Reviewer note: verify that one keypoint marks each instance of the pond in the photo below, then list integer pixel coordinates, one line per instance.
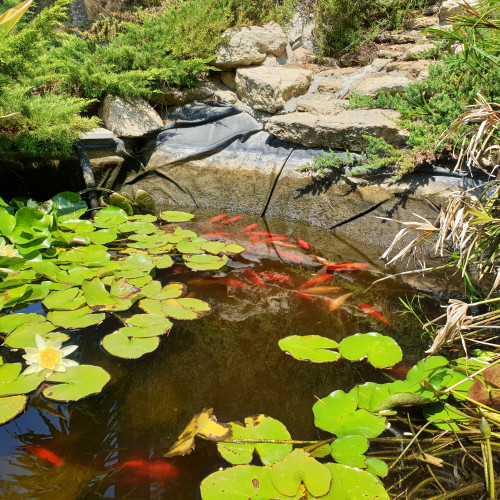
(228, 360)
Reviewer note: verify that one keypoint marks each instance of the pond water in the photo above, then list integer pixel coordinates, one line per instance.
(229, 361)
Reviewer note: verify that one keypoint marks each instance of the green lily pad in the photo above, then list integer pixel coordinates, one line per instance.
(213, 246)
(110, 217)
(310, 348)
(174, 216)
(65, 300)
(68, 206)
(163, 262)
(12, 381)
(381, 351)
(120, 345)
(10, 322)
(139, 227)
(155, 291)
(79, 226)
(299, 467)
(103, 236)
(377, 467)
(117, 200)
(99, 299)
(191, 245)
(258, 427)
(79, 318)
(135, 266)
(426, 368)
(152, 322)
(90, 256)
(205, 262)
(76, 382)
(233, 248)
(445, 416)
(350, 450)
(7, 222)
(354, 484)
(338, 414)
(24, 335)
(17, 279)
(11, 406)
(186, 309)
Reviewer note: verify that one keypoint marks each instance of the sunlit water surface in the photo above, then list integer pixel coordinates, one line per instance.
(229, 361)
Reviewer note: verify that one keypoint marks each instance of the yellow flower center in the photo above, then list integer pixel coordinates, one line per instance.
(49, 357)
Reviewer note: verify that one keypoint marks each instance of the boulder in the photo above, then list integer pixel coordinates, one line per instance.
(320, 104)
(451, 8)
(179, 97)
(338, 72)
(300, 31)
(412, 69)
(343, 130)
(419, 23)
(129, 118)
(393, 37)
(250, 45)
(417, 50)
(227, 78)
(372, 85)
(332, 85)
(267, 89)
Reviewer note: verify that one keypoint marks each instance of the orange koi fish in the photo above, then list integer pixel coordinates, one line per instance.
(316, 280)
(290, 256)
(249, 228)
(45, 454)
(321, 290)
(156, 469)
(274, 238)
(285, 244)
(347, 266)
(256, 278)
(305, 296)
(278, 278)
(217, 218)
(216, 234)
(231, 220)
(236, 283)
(262, 233)
(368, 309)
(323, 261)
(303, 243)
(334, 304)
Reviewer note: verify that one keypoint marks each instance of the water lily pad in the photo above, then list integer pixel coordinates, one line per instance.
(445, 416)
(213, 246)
(147, 325)
(298, 467)
(121, 345)
(109, 217)
(163, 262)
(79, 318)
(338, 414)
(233, 248)
(103, 236)
(354, 484)
(155, 291)
(187, 309)
(99, 299)
(10, 322)
(24, 335)
(350, 450)
(90, 256)
(426, 368)
(68, 206)
(377, 467)
(65, 300)
(205, 262)
(191, 245)
(135, 266)
(11, 406)
(180, 233)
(117, 200)
(12, 381)
(380, 350)
(76, 383)
(257, 427)
(175, 216)
(139, 227)
(79, 226)
(7, 222)
(310, 348)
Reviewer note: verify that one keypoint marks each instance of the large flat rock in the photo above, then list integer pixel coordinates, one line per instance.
(373, 85)
(343, 130)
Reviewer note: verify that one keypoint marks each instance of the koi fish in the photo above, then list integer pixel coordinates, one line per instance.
(279, 278)
(305, 296)
(334, 304)
(216, 234)
(176, 270)
(323, 261)
(262, 233)
(316, 280)
(368, 309)
(256, 278)
(290, 256)
(347, 266)
(217, 218)
(285, 244)
(236, 283)
(205, 283)
(45, 454)
(156, 469)
(321, 290)
(250, 227)
(274, 238)
(255, 239)
(231, 220)
(303, 243)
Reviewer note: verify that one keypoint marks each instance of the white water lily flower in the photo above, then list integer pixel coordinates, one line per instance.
(8, 250)
(49, 356)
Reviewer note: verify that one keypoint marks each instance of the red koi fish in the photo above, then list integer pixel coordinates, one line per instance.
(231, 220)
(255, 239)
(256, 278)
(156, 469)
(236, 283)
(205, 283)
(262, 233)
(368, 309)
(216, 234)
(45, 454)
(290, 256)
(217, 218)
(347, 266)
(323, 261)
(305, 296)
(278, 278)
(176, 270)
(316, 280)
(274, 238)
(303, 243)
(285, 244)
(249, 228)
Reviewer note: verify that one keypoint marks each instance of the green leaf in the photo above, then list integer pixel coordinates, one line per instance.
(299, 467)
(186, 309)
(174, 216)
(205, 262)
(213, 246)
(7, 222)
(79, 226)
(89, 256)
(24, 335)
(65, 300)
(377, 467)
(135, 266)
(310, 348)
(103, 236)
(12, 381)
(138, 227)
(180, 233)
(163, 262)
(381, 351)
(10, 322)
(145, 202)
(76, 383)
(117, 200)
(110, 217)
(233, 248)
(171, 291)
(426, 369)
(149, 324)
(350, 450)
(258, 427)
(445, 416)
(191, 245)
(120, 345)
(99, 299)
(11, 406)
(68, 206)
(79, 318)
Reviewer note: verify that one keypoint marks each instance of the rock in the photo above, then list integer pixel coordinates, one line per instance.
(179, 97)
(332, 85)
(372, 85)
(303, 55)
(300, 31)
(286, 58)
(361, 56)
(451, 8)
(227, 78)
(97, 135)
(338, 72)
(320, 104)
(457, 48)
(413, 69)
(250, 45)
(413, 52)
(431, 10)
(268, 89)
(343, 130)
(419, 23)
(389, 54)
(392, 37)
(130, 118)
(218, 91)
